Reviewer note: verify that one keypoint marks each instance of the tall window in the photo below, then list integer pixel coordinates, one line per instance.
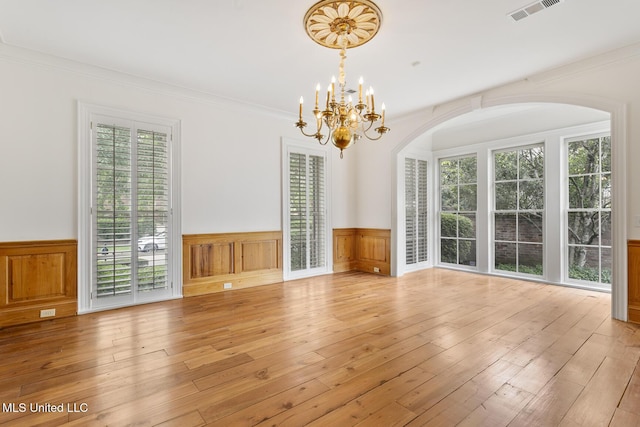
(131, 210)
(519, 207)
(416, 224)
(127, 235)
(306, 209)
(589, 210)
(458, 206)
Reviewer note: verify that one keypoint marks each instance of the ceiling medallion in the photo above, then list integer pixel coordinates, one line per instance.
(327, 20)
(343, 25)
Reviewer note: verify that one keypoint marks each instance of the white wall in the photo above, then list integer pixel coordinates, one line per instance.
(231, 161)
(38, 142)
(611, 80)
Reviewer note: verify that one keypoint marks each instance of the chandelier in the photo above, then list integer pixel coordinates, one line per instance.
(343, 25)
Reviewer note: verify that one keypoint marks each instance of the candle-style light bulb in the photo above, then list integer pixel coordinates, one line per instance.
(368, 101)
(373, 103)
(360, 81)
(301, 101)
(383, 110)
(333, 88)
(317, 94)
(328, 95)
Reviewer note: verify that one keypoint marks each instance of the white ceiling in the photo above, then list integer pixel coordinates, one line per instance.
(256, 51)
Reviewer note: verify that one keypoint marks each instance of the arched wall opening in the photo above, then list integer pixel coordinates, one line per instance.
(421, 141)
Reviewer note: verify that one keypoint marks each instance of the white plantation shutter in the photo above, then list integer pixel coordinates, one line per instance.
(306, 222)
(131, 214)
(298, 211)
(410, 198)
(317, 212)
(152, 208)
(112, 212)
(416, 205)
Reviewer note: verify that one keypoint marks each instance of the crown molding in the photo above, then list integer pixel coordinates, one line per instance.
(586, 65)
(18, 54)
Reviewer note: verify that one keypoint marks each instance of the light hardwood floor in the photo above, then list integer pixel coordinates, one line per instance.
(434, 348)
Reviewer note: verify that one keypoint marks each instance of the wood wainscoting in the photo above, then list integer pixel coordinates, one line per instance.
(35, 276)
(633, 252)
(344, 249)
(362, 249)
(241, 259)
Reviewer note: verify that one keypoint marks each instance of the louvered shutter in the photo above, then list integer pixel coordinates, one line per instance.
(416, 210)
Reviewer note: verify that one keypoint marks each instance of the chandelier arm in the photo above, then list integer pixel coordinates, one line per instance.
(367, 128)
(320, 124)
(381, 131)
(371, 138)
(320, 136)
(302, 125)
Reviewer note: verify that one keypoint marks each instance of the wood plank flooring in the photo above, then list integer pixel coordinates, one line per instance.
(432, 348)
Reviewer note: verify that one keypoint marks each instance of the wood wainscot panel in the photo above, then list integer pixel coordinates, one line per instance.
(633, 253)
(344, 249)
(240, 260)
(36, 276)
(211, 259)
(362, 249)
(260, 255)
(373, 251)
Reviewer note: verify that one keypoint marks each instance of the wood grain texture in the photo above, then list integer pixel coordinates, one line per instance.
(633, 265)
(242, 259)
(344, 249)
(211, 259)
(37, 275)
(362, 249)
(373, 251)
(432, 348)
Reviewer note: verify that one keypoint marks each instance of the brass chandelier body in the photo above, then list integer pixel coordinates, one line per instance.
(342, 25)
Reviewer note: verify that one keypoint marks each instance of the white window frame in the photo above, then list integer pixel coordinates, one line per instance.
(493, 210)
(565, 196)
(438, 202)
(292, 146)
(88, 114)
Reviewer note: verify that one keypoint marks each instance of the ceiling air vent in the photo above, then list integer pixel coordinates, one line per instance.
(532, 8)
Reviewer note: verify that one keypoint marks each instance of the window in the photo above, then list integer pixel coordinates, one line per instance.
(458, 205)
(541, 206)
(416, 224)
(589, 210)
(126, 234)
(519, 207)
(306, 222)
(131, 210)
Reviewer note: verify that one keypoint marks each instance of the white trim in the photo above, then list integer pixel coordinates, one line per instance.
(563, 214)
(619, 302)
(86, 114)
(481, 215)
(296, 146)
(400, 238)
